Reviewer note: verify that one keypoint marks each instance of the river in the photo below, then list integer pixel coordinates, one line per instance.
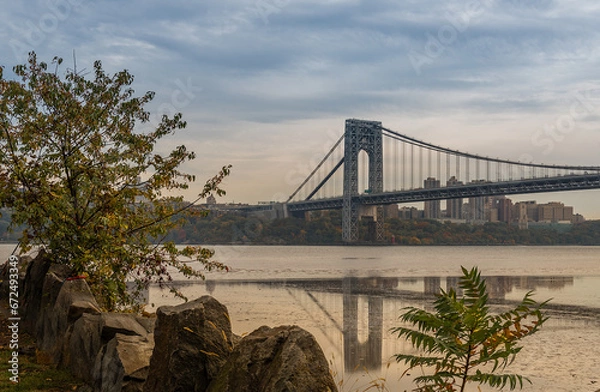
(350, 298)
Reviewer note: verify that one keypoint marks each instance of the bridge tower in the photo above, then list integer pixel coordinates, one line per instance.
(359, 136)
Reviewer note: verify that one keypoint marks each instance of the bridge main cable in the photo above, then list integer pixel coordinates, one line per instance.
(317, 168)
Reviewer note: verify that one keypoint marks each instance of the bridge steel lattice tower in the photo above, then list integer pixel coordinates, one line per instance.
(360, 136)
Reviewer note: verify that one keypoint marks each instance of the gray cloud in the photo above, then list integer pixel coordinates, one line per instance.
(251, 75)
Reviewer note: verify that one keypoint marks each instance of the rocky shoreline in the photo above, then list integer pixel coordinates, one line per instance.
(189, 347)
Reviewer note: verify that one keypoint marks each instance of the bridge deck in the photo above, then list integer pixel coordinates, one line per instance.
(536, 185)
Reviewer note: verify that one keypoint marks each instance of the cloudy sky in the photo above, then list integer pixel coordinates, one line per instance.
(267, 84)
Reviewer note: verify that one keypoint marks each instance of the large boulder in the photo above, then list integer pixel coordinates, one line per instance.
(192, 342)
(59, 311)
(122, 364)
(282, 359)
(92, 332)
(82, 346)
(33, 285)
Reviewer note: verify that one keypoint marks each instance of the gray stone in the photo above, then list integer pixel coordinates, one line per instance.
(31, 296)
(282, 359)
(148, 323)
(123, 323)
(192, 342)
(56, 316)
(92, 331)
(122, 364)
(83, 345)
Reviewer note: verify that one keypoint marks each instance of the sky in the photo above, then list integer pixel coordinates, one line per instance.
(266, 85)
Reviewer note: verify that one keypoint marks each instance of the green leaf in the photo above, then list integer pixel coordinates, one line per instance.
(462, 335)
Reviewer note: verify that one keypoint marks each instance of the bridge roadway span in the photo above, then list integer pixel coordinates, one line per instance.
(536, 185)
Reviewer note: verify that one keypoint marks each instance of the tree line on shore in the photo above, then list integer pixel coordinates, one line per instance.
(326, 228)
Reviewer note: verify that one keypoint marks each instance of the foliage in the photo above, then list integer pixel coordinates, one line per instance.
(463, 342)
(232, 228)
(325, 228)
(88, 185)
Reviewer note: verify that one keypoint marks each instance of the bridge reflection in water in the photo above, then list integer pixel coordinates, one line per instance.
(365, 325)
(367, 354)
(352, 317)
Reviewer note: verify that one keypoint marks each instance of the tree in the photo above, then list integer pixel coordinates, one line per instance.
(462, 336)
(88, 185)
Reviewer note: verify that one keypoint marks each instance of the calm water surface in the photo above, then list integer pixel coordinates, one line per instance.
(350, 298)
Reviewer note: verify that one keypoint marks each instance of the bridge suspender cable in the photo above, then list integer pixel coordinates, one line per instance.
(413, 141)
(317, 168)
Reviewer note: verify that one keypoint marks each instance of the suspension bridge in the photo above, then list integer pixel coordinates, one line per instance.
(371, 166)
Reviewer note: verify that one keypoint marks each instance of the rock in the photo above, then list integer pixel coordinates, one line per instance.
(46, 326)
(282, 359)
(74, 299)
(147, 322)
(122, 364)
(192, 342)
(31, 297)
(123, 323)
(91, 332)
(83, 345)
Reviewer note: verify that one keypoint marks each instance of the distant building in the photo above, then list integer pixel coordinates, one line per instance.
(410, 213)
(504, 207)
(531, 207)
(491, 214)
(454, 206)
(520, 212)
(433, 207)
(482, 209)
(211, 200)
(568, 213)
(552, 212)
(478, 207)
(391, 211)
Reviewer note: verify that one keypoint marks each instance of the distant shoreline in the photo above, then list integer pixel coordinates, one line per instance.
(367, 244)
